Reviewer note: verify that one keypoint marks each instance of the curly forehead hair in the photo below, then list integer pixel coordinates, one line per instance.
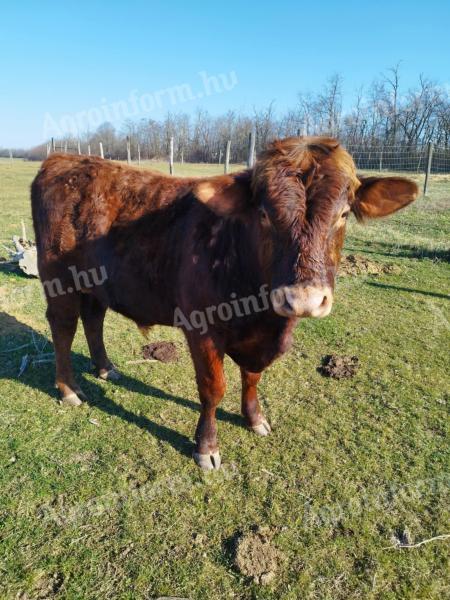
(302, 156)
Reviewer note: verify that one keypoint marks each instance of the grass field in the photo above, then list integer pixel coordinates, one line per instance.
(104, 501)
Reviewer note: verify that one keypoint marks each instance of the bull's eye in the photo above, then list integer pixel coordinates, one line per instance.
(345, 214)
(263, 217)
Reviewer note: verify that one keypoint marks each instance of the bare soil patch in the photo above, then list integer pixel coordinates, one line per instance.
(339, 367)
(162, 351)
(354, 264)
(256, 556)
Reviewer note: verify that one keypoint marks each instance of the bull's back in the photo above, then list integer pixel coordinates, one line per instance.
(78, 199)
(90, 213)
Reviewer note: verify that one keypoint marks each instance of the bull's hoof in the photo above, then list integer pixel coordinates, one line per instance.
(263, 428)
(207, 462)
(109, 374)
(73, 399)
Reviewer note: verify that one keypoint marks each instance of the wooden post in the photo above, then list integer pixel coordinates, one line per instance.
(299, 133)
(79, 147)
(89, 149)
(220, 156)
(139, 153)
(171, 156)
(53, 144)
(251, 149)
(101, 149)
(227, 157)
(381, 159)
(65, 147)
(428, 171)
(48, 148)
(128, 150)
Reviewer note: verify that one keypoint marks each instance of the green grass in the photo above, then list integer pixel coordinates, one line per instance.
(104, 501)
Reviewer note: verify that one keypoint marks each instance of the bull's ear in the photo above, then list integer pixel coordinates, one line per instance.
(382, 196)
(226, 195)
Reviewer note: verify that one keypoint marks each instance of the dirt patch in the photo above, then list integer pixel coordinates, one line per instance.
(163, 351)
(339, 367)
(353, 265)
(256, 556)
(46, 586)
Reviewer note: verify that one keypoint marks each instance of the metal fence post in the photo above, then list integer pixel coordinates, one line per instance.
(171, 156)
(128, 150)
(428, 171)
(227, 157)
(251, 149)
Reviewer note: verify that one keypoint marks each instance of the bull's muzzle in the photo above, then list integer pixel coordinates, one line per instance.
(302, 300)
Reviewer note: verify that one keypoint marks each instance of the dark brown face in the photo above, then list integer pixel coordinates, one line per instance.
(305, 199)
(304, 210)
(303, 190)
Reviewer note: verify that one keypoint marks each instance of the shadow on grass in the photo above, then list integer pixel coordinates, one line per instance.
(403, 251)
(19, 333)
(13, 269)
(404, 289)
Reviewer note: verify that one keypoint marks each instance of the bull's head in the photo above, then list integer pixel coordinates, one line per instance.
(299, 195)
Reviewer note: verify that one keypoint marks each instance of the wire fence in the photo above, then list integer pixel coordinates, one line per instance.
(401, 158)
(377, 157)
(426, 159)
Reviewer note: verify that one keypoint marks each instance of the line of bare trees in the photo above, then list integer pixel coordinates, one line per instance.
(383, 115)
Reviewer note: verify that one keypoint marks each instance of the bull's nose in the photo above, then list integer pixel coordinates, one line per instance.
(302, 301)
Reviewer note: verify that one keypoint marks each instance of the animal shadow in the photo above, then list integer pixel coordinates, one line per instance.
(22, 339)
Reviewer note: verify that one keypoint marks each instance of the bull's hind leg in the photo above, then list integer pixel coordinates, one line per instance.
(93, 316)
(62, 315)
(208, 363)
(250, 407)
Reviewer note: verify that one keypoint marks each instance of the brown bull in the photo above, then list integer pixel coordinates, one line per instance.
(233, 260)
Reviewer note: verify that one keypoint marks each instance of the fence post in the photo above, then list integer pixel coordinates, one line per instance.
(381, 159)
(139, 153)
(101, 149)
(227, 157)
(53, 144)
(89, 149)
(79, 146)
(220, 156)
(171, 156)
(428, 171)
(128, 150)
(251, 148)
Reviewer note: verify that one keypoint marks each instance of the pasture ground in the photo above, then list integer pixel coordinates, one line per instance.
(104, 501)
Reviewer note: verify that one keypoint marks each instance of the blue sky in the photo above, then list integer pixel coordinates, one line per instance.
(63, 58)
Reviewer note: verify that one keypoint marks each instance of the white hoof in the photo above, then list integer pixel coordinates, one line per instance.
(71, 400)
(207, 462)
(262, 428)
(109, 375)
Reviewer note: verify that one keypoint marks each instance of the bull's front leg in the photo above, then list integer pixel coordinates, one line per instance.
(208, 363)
(250, 407)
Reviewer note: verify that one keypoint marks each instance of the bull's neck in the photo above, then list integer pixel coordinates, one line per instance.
(242, 270)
